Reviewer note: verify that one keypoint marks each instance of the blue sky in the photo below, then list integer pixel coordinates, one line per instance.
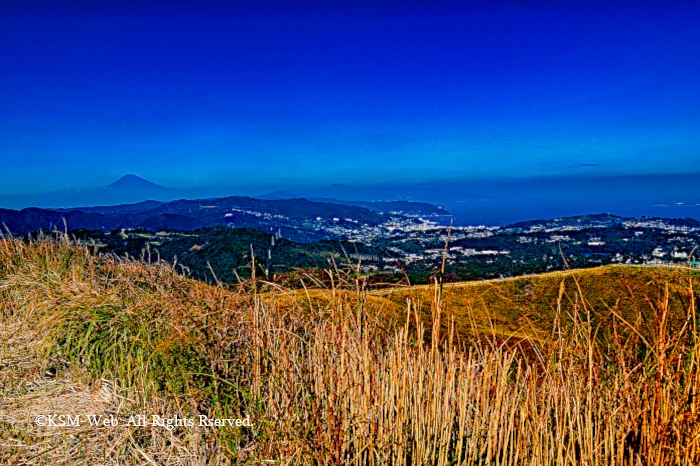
(280, 95)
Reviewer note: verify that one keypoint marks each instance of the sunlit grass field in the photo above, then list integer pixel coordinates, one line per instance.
(583, 367)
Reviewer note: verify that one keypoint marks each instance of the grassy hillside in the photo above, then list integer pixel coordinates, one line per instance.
(528, 308)
(594, 367)
(531, 306)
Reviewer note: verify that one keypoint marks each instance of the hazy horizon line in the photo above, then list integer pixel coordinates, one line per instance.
(290, 185)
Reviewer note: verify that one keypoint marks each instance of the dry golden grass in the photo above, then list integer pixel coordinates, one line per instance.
(581, 369)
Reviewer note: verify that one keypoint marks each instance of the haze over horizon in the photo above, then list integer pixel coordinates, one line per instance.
(289, 95)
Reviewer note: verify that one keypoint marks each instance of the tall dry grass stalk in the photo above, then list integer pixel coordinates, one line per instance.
(336, 384)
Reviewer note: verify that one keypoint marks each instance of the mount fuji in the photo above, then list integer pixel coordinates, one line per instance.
(126, 190)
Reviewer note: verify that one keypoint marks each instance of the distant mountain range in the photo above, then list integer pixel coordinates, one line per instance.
(128, 189)
(408, 208)
(299, 218)
(187, 215)
(139, 193)
(486, 201)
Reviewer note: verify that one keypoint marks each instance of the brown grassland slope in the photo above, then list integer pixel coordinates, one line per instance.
(587, 367)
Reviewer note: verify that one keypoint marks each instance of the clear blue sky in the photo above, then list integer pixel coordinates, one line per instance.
(188, 94)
